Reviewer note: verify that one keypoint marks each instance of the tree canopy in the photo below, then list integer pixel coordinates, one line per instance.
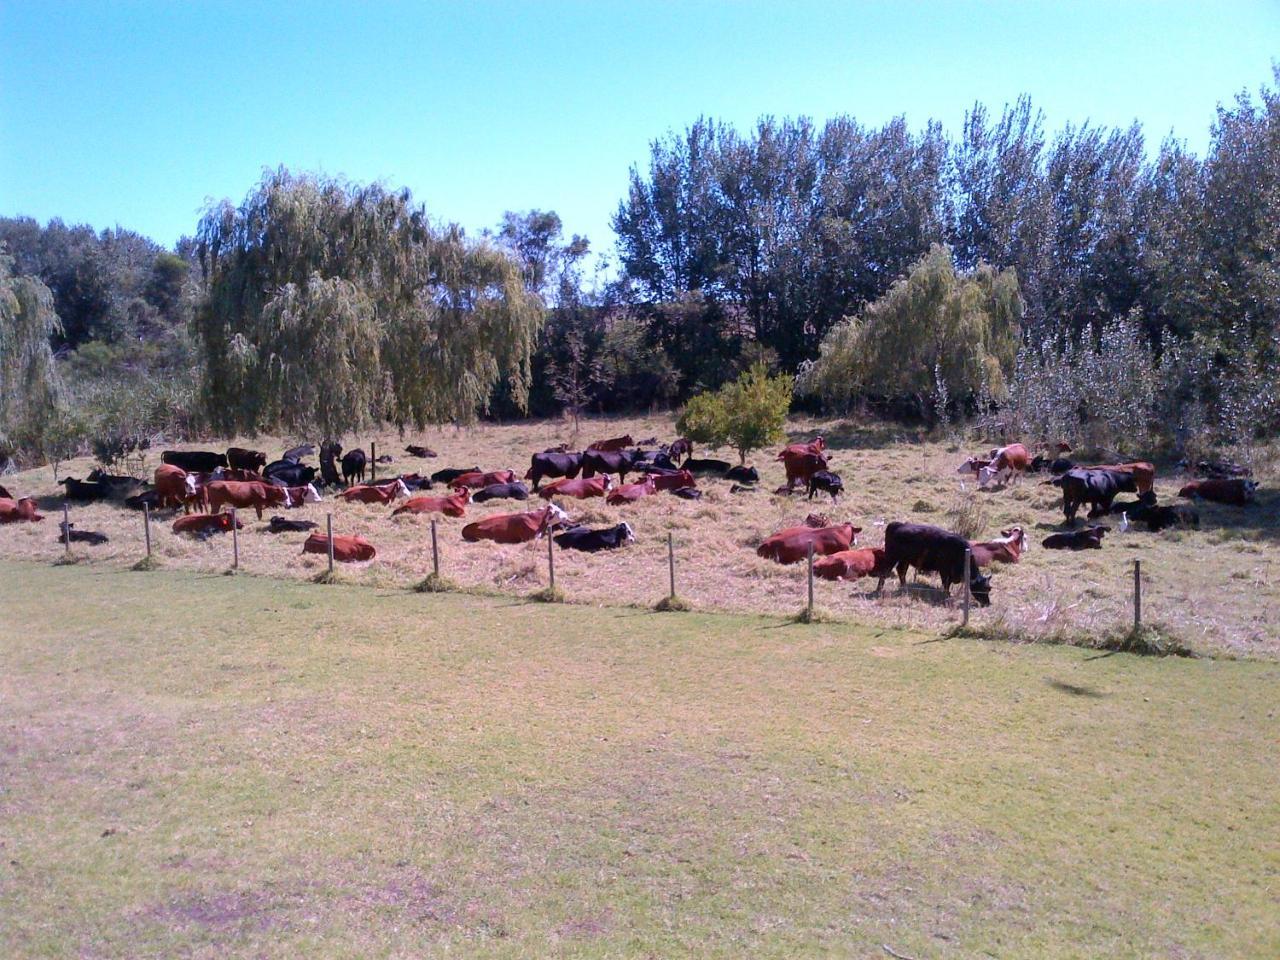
(29, 383)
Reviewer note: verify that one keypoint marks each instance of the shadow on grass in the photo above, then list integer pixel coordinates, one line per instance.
(1076, 691)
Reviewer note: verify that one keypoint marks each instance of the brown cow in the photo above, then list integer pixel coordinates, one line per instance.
(801, 465)
(238, 458)
(244, 476)
(345, 549)
(792, 545)
(631, 492)
(816, 445)
(673, 481)
(1006, 550)
(1143, 473)
(1236, 491)
(482, 478)
(454, 506)
(201, 522)
(242, 496)
(175, 487)
(851, 564)
(18, 511)
(515, 527)
(581, 488)
(370, 493)
(613, 445)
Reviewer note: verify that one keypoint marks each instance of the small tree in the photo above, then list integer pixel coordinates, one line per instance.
(747, 414)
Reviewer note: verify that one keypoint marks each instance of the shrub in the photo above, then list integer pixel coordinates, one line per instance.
(747, 413)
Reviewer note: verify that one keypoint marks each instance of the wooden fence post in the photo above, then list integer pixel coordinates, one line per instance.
(373, 460)
(66, 528)
(146, 526)
(435, 551)
(811, 581)
(968, 561)
(671, 563)
(328, 526)
(551, 560)
(235, 541)
(1137, 595)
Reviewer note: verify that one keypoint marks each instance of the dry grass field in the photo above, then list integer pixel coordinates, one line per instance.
(201, 766)
(1214, 589)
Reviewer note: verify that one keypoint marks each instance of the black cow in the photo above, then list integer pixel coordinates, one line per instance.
(1144, 500)
(84, 492)
(931, 550)
(416, 451)
(148, 498)
(1221, 470)
(659, 466)
(281, 525)
(827, 481)
(194, 461)
(288, 473)
(553, 464)
(501, 491)
(329, 454)
(1089, 538)
(98, 475)
(588, 540)
(688, 493)
(353, 465)
(451, 474)
(743, 474)
(238, 458)
(91, 537)
(1157, 518)
(1055, 466)
(620, 462)
(1099, 488)
(297, 453)
(716, 468)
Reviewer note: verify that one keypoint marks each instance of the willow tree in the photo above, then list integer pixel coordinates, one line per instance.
(331, 306)
(29, 386)
(936, 335)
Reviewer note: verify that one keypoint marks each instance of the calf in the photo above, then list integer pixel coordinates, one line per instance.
(1006, 550)
(19, 511)
(91, 537)
(204, 524)
(368, 493)
(631, 492)
(743, 474)
(502, 491)
(84, 491)
(851, 564)
(194, 460)
(589, 541)
(792, 544)
(148, 499)
(553, 463)
(579, 488)
(1158, 518)
(515, 527)
(826, 481)
(681, 447)
(299, 496)
(801, 466)
(613, 445)
(680, 480)
(1236, 492)
(281, 525)
(345, 549)
(451, 506)
(243, 496)
(238, 458)
(1088, 538)
(353, 466)
(416, 451)
(931, 550)
(1132, 507)
(175, 487)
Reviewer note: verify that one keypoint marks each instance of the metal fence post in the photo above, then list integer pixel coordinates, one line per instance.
(968, 561)
(435, 551)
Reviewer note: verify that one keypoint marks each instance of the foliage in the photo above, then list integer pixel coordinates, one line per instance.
(936, 334)
(29, 384)
(428, 322)
(747, 414)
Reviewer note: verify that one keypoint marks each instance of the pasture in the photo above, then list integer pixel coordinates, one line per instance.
(203, 766)
(1212, 588)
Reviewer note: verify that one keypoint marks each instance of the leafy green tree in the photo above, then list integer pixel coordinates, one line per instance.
(748, 413)
(30, 387)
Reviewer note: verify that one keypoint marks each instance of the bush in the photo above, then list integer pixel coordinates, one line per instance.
(747, 414)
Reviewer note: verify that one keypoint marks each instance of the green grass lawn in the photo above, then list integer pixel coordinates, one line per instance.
(209, 766)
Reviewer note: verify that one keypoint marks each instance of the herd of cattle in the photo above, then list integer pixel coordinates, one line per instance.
(209, 488)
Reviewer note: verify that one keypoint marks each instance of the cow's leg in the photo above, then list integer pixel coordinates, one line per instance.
(902, 575)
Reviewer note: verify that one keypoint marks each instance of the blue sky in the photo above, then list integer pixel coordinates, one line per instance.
(136, 113)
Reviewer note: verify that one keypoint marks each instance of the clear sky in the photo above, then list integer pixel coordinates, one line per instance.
(132, 113)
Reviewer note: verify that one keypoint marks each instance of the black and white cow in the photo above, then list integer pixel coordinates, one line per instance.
(588, 540)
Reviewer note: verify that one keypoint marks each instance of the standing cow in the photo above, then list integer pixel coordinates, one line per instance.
(931, 550)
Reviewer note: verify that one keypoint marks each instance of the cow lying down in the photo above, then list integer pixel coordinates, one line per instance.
(345, 549)
(91, 537)
(851, 564)
(1090, 538)
(279, 524)
(588, 540)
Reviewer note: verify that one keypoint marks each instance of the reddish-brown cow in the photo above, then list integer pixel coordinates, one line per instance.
(851, 564)
(801, 465)
(477, 479)
(454, 506)
(673, 481)
(631, 492)
(345, 549)
(18, 511)
(514, 527)
(613, 445)
(243, 496)
(1236, 491)
(792, 545)
(1008, 549)
(199, 522)
(175, 487)
(369, 493)
(580, 488)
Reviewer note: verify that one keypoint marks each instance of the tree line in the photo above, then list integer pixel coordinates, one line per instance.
(904, 270)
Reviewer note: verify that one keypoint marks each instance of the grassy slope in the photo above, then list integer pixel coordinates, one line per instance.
(200, 766)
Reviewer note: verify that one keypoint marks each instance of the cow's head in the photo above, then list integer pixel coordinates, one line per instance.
(628, 535)
(1250, 488)
(1015, 535)
(310, 494)
(189, 485)
(399, 490)
(608, 482)
(282, 492)
(463, 495)
(552, 516)
(971, 465)
(853, 533)
(980, 588)
(985, 475)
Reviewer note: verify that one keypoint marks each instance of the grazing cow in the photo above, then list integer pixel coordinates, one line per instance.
(792, 544)
(515, 527)
(620, 462)
(202, 461)
(1157, 518)
(851, 564)
(631, 492)
(175, 487)
(1131, 507)
(704, 467)
(449, 474)
(613, 445)
(579, 488)
(289, 473)
(238, 458)
(91, 537)
(687, 493)
(743, 474)
(345, 549)
(243, 496)
(281, 525)
(1088, 538)
(931, 550)
(1215, 470)
(1236, 492)
(827, 481)
(146, 499)
(682, 447)
(1006, 463)
(296, 454)
(553, 463)
(204, 524)
(483, 478)
(589, 541)
(368, 493)
(353, 466)
(329, 454)
(83, 491)
(1095, 486)
(680, 480)
(423, 452)
(503, 491)
(1143, 473)
(18, 511)
(801, 466)
(1008, 549)
(451, 506)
